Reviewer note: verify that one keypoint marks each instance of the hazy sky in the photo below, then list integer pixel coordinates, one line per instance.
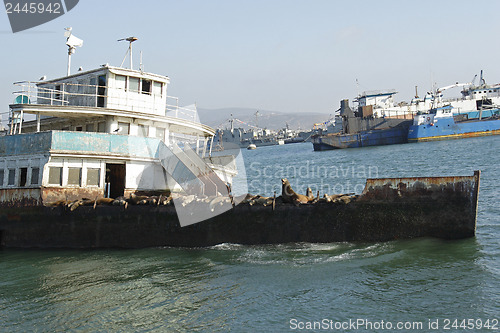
(279, 55)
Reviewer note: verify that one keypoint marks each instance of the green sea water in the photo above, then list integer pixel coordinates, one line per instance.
(425, 285)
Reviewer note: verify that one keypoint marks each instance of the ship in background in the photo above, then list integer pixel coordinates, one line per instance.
(379, 121)
(476, 113)
(254, 136)
(442, 124)
(376, 120)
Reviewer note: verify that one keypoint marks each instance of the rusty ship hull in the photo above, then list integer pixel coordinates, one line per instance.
(388, 209)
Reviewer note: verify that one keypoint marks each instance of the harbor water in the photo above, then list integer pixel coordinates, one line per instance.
(423, 285)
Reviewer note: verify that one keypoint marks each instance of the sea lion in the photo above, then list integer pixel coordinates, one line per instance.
(120, 201)
(74, 205)
(315, 199)
(290, 196)
(264, 201)
(104, 201)
(342, 198)
(309, 194)
(138, 199)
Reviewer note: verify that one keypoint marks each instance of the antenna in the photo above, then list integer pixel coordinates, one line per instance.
(72, 42)
(140, 64)
(129, 51)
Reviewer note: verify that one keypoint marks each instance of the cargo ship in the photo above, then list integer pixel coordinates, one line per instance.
(379, 121)
(476, 113)
(442, 124)
(364, 128)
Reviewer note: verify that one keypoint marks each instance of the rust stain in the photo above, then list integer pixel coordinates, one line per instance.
(52, 194)
(19, 197)
(421, 187)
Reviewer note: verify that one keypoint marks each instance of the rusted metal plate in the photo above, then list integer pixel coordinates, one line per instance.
(53, 194)
(444, 188)
(20, 197)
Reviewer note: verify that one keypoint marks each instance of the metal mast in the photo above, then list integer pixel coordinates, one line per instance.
(130, 40)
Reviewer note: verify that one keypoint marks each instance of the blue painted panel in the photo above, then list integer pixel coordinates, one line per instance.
(78, 142)
(25, 144)
(104, 143)
(484, 113)
(448, 127)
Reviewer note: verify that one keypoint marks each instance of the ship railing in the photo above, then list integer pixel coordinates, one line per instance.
(89, 95)
(199, 145)
(184, 112)
(397, 114)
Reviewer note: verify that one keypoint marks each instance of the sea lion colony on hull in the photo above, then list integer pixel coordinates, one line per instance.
(120, 201)
(288, 195)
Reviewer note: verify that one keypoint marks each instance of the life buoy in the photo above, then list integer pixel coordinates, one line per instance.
(428, 118)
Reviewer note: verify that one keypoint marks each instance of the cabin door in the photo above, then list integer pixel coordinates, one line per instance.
(101, 91)
(115, 180)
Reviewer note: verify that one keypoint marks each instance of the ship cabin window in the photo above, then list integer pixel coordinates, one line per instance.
(79, 128)
(157, 88)
(123, 128)
(160, 133)
(23, 177)
(89, 128)
(134, 84)
(93, 176)
(101, 127)
(120, 82)
(143, 130)
(146, 86)
(55, 176)
(12, 177)
(2, 174)
(35, 174)
(75, 176)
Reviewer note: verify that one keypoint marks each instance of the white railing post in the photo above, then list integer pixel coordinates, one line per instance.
(21, 120)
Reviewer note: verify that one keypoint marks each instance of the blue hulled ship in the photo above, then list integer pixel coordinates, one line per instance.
(442, 123)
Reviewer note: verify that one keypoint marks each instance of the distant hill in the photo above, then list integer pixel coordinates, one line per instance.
(219, 118)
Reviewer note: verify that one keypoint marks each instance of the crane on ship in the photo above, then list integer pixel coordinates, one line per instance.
(440, 90)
